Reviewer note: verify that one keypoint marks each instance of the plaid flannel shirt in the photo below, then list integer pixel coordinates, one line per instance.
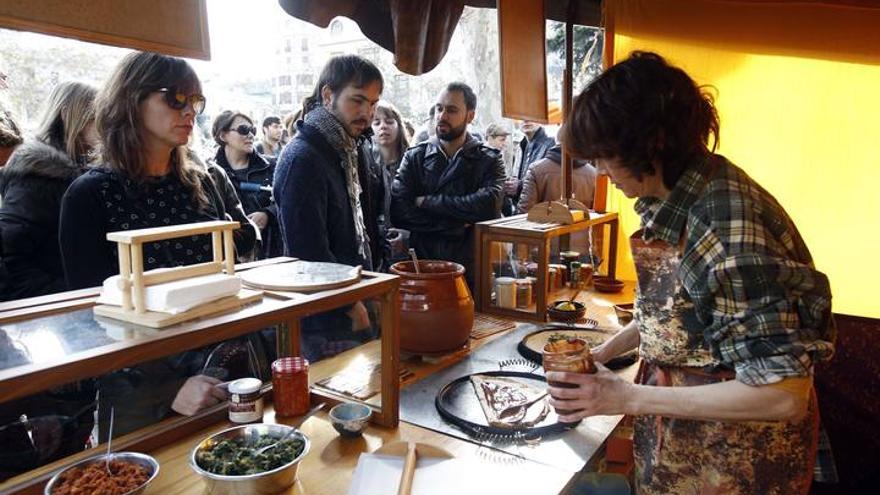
(767, 310)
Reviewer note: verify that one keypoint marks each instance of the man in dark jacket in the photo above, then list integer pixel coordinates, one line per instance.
(328, 198)
(448, 183)
(533, 147)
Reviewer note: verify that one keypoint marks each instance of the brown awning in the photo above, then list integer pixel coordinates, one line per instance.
(417, 32)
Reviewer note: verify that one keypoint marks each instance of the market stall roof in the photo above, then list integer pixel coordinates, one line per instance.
(418, 32)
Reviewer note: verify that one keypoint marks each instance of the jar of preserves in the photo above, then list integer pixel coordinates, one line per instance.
(290, 386)
(245, 401)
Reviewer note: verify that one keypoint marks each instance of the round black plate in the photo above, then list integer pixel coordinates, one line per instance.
(458, 404)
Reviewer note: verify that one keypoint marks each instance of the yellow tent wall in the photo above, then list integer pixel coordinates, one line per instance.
(805, 127)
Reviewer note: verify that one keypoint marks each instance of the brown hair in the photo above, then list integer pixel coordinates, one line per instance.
(71, 108)
(389, 110)
(223, 123)
(643, 110)
(118, 117)
(338, 73)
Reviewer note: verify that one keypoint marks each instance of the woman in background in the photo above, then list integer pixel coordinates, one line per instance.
(32, 184)
(251, 174)
(390, 141)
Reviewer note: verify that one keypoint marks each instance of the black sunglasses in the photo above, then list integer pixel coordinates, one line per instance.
(245, 129)
(178, 101)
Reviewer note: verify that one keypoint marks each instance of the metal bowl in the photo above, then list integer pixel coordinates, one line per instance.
(268, 482)
(144, 460)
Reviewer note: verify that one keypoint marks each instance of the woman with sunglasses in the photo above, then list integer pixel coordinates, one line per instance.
(251, 173)
(144, 115)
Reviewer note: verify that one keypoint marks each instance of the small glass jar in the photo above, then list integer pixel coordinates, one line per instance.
(505, 292)
(290, 386)
(585, 281)
(245, 401)
(574, 274)
(523, 292)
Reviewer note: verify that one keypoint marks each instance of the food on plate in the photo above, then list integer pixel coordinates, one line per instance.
(510, 403)
(235, 457)
(93, 478)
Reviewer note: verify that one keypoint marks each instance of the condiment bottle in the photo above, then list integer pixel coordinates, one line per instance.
(290, 386)
(523, 292)
(245, 401)
(505, 292)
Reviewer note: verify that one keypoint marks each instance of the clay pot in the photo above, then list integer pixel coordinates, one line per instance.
(436, 308)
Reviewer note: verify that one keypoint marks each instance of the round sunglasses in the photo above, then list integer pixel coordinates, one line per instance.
(178, 101)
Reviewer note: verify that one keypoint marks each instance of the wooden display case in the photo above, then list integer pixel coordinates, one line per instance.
(530, 240)
(132, 344)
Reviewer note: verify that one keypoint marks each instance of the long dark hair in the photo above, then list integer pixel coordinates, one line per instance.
(338, 73)
(643, 110)
(388, 109)
(118, 117)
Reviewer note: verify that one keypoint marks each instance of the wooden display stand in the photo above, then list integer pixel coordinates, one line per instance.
(537, 234)
(133, 280)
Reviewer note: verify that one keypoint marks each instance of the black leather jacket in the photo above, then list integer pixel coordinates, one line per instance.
(457, 193)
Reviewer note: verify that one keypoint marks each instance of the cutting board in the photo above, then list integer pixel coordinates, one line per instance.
(301, 276)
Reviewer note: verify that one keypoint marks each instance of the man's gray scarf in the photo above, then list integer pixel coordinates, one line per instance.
(346, 146)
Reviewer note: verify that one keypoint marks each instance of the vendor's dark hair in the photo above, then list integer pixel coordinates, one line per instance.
(470, 98)
(641, 110)
(223, 123)
(339, 72)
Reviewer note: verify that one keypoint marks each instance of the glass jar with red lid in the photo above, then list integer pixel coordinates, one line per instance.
(290, 386)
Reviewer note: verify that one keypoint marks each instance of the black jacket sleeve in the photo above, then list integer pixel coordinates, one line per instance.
(483, 204)
(301, 195)
(88, 256)
(247, 235)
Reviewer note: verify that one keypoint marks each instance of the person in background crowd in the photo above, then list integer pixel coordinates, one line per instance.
(144, 115)
(447, 184)
(732, 313)
(289, 125)
(390, 142)
(32, 184)
(328, 197)
(251, 174)
(10, 134)
(270, 144)
(410, 130)
(428, 131)
(496, 136)
(543, 181)
(534, 146)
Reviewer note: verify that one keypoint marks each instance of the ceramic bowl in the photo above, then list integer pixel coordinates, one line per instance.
(350, 418)
(607, 284)
(148, 462)
(564, 316)
(624, 313)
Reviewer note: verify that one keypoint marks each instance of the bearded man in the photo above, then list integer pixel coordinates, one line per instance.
(448, 183)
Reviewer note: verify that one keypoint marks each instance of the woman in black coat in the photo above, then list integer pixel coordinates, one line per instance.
(32, 184)
(251, 174)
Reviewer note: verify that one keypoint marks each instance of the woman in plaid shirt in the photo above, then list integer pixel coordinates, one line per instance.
(731, 314)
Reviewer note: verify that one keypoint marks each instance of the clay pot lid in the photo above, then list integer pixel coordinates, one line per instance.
(428, 269)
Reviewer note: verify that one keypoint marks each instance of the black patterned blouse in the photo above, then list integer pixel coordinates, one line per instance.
(102, 201)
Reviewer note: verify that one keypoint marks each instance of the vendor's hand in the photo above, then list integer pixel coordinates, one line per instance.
(601, 393)
(511, 185)
(360, 317)
(260, 219)
(419, 200)
(197, 393)
(395, 239)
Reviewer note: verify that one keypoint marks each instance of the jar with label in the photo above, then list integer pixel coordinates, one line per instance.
(523, 292)
(290, 386)
(245, 401)
(505, 292)
(574, 274)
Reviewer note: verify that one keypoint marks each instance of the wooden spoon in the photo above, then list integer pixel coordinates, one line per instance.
(410, 451)
(415, 260)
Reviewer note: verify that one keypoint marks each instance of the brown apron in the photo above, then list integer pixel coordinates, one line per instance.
(680, 456)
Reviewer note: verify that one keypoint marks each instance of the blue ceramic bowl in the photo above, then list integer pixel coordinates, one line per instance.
(350, 418)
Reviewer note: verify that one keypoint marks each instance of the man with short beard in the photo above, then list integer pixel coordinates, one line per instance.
(448, 183)
(327, 195)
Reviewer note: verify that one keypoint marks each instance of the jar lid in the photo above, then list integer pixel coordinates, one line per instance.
(569, 254)
(290, 364)
(524, 281)
(505, 281)
(245, 386)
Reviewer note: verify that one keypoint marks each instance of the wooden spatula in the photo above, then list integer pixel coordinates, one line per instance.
(410, 451)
